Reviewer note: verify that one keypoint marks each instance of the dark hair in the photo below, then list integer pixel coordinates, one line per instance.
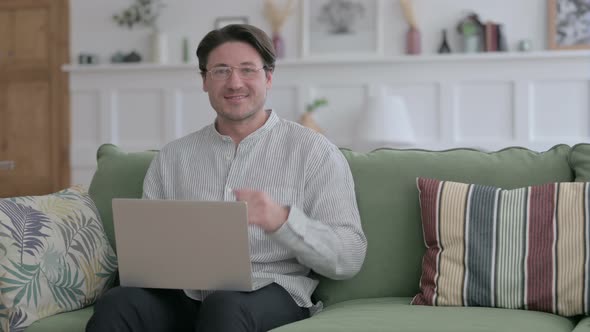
(246, 33)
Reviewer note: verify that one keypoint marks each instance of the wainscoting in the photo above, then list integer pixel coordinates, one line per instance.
(486, 101)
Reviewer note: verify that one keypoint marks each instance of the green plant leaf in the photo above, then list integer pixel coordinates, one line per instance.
(9, 289)
(316, 103)
(20, 272)
(24, 278)
(80, 233)
(109, 265)
(67, 289)
(11, 282)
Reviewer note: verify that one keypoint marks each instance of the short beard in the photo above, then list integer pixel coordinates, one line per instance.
(237, 117)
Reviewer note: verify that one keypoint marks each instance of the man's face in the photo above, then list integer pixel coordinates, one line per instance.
(237, 98)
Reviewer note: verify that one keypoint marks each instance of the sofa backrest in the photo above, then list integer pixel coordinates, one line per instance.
(118, 175)
(385, 184)
(580, 161)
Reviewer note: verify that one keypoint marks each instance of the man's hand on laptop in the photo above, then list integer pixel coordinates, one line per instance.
(262, 210)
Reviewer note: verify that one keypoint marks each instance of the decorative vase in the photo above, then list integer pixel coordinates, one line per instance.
(279, 44)
(308, 121)
(185, 51)
(413, 41)
(471, 43)
(159, 47)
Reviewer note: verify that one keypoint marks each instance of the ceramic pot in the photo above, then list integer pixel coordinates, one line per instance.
(159, 47)
(308, 121)
(413, 41)
(279, 45)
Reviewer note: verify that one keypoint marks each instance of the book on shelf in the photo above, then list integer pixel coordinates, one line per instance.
(494, 37)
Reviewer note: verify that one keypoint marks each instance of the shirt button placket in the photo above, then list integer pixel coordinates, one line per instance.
(228, 194)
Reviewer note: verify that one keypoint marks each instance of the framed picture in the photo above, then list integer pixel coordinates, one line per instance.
(569, 24)
(220, 22)
(341, 28)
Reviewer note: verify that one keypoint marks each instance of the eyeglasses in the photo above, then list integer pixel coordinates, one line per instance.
(222, 73)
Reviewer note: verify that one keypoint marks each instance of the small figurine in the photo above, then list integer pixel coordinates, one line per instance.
(132, 57)
(444, 46)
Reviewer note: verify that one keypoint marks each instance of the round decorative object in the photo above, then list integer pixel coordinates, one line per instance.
(525, 45)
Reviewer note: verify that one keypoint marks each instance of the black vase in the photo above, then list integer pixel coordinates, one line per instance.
(444, 46)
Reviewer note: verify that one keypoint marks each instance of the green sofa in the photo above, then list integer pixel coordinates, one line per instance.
(377, 299)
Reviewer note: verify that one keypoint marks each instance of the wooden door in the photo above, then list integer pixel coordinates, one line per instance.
(34, 107)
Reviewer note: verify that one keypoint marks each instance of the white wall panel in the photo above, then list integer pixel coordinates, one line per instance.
(284, 100)
(82, 175)
(484, 111)
(195, 110)
(86, 118)
(86, 132)
(423, 102)
(561, 110)
(338, 119)
(140, 117)
(487, 101)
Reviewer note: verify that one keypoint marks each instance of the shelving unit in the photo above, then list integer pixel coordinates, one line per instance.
(294, 62)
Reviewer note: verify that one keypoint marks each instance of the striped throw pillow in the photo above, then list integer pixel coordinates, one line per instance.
(525, 248)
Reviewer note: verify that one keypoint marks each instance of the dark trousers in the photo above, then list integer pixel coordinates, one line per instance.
(141, 309)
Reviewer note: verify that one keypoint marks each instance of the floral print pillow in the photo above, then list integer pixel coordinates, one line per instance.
(54, 256)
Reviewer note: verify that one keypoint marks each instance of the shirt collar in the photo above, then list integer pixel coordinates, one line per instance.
(272, 121)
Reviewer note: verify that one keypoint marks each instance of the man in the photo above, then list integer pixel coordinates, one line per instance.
(300, 193)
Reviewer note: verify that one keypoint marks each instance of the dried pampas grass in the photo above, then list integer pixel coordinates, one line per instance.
(277, 16)
(409, 13)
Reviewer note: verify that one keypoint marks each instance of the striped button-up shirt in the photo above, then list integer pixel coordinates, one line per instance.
(297, 168)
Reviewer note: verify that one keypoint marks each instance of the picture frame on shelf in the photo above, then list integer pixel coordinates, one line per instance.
(568, 24)
(342, 28)
(222, 21)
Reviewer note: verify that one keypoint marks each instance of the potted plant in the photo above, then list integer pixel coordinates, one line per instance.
(307, 119)
(146, 13)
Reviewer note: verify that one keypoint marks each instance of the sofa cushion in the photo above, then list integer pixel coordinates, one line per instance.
(73, 321)
(580, 161)
(518, 249)
(583, 325)
(396, 314)
(118, 175)
(56, 256)
(3, 316)
(385, 185)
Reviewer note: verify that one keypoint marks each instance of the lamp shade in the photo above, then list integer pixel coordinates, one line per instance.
(386, 121)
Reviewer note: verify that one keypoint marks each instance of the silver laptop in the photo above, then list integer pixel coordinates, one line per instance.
(184, 245)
